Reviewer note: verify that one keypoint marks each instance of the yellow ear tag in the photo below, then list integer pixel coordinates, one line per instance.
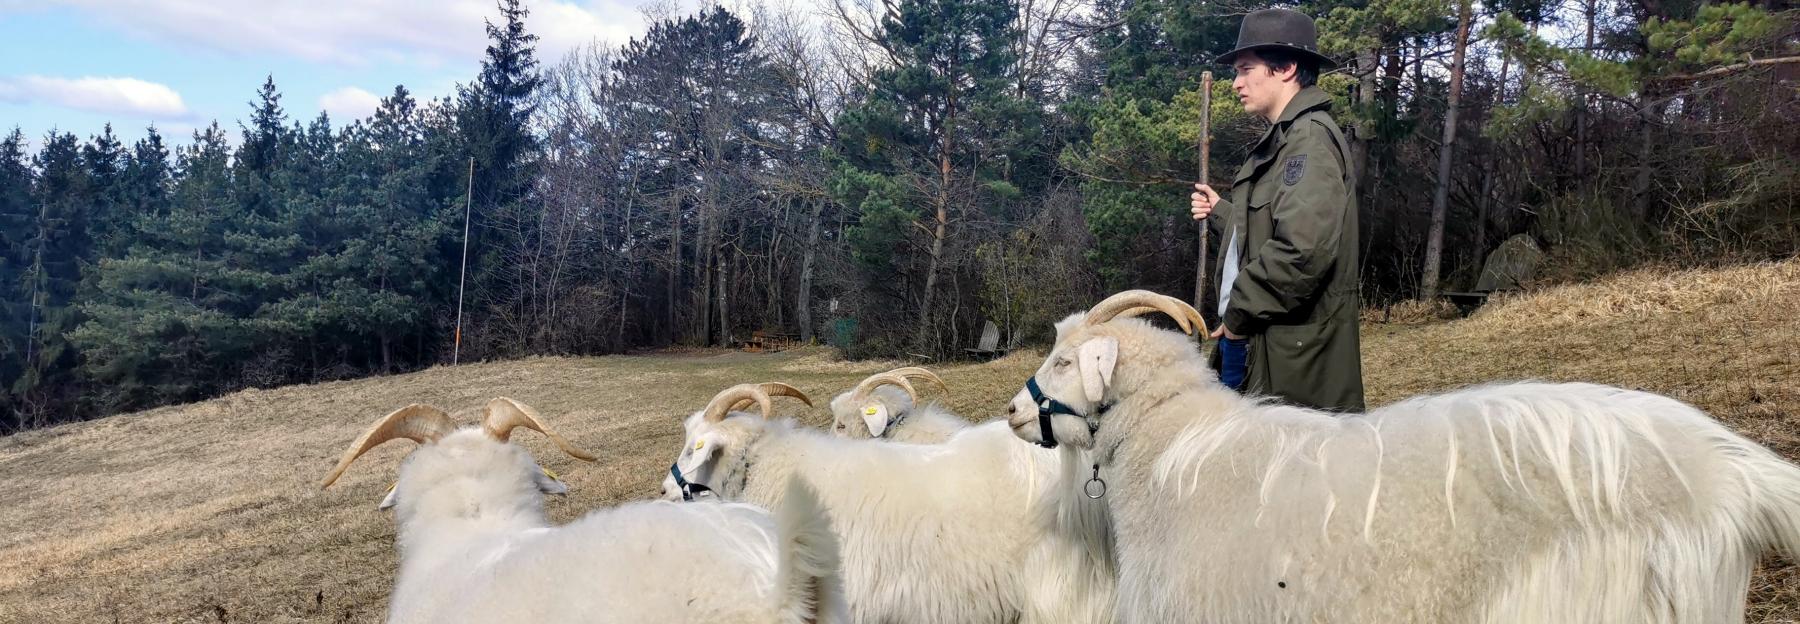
(870, 410)
(698, 444)
(550, 473)
(392, 486)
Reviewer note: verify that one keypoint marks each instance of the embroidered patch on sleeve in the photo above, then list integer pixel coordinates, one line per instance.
(1294, 170)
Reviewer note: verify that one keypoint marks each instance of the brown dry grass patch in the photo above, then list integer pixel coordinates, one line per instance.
(211, 512)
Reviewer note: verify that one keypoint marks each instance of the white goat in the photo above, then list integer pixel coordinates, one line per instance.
(885, 406)
(475, 546)
(1529, 502)
(931, 534)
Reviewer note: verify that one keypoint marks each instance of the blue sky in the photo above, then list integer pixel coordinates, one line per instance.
(74, 65)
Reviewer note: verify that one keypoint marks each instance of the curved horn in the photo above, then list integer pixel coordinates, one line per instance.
(774, 389)
(419, 423)
(1128, 301)
(914, 372)
(1193, 315)
(735, 397)
(722, 403)
(899, 377)
(504, 414)
(877, 380)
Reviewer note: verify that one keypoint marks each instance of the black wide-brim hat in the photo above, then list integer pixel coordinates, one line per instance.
(1282, 29)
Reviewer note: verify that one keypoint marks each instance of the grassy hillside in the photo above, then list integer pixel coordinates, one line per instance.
(211, 512)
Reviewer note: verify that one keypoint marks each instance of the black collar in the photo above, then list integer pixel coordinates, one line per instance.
(1048, 407)
(894, 424)
(689, 491)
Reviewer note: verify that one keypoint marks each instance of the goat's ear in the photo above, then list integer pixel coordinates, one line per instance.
(1096, 359)
(875, 415)
(697, 458)
(388, 502)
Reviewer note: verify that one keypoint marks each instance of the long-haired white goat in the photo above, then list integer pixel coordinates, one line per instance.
(931, 534)
(885, 406)
(1530, 502)
(475, 546)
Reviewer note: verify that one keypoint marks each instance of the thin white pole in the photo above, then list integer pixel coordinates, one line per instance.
(461, 279)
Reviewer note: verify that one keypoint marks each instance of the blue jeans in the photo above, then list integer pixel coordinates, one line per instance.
(1234, 362)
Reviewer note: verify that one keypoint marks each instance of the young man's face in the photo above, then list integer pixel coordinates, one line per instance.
(1260, 90)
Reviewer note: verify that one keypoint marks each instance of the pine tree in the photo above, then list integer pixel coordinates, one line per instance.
(405, 223)
(929, 144)
(312, 221)
(167, 323)
(106, 160)
(1137, 150)
(55, 247)
(259, 246)
(147, 181)
(367, 286)
(264, 153)
(493, 116)
(1434, 241)
(704, 87)
(315, 148)
(16, 219)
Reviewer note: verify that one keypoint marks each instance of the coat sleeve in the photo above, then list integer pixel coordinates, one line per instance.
(1284, 273)
(1215, 222)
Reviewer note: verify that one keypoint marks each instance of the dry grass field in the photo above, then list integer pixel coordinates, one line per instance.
(211, 512)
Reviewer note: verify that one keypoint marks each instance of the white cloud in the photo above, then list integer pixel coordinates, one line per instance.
(355, 32)
(564, 27)
(128, 96)
(349, 103)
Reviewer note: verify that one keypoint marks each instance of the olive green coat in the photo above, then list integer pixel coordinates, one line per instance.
(1295, 295)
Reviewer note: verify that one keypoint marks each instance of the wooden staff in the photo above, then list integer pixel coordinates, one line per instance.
(1206, 80)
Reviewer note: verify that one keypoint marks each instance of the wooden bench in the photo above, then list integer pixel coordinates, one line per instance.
(761, 341)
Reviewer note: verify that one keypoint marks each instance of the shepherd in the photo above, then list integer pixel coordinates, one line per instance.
(1287, 278)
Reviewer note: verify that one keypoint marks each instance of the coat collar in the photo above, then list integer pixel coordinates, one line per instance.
(1308, 99)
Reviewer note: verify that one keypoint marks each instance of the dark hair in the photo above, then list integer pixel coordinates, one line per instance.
(1307, 67)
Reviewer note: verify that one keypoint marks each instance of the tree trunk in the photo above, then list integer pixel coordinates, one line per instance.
(706, 247)
(772, 284)
(1500, 89)
(194, 284)
(669, 323)
(1640, 187)
(1483, 208)
(723, 336)
(37, 280)
(1581, 97)
(1418, 69)
(387, 355)
(803, 300)
(1434, 244)
(625, 277)
(1362, 134)
(1396, 69)
(922, 340)
(1525, 69)
(1389, 96)
(1490, 199)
